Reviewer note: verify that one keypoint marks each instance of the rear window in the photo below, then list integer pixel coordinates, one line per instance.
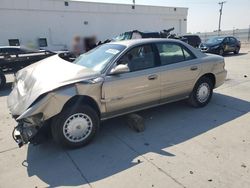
(173, 53)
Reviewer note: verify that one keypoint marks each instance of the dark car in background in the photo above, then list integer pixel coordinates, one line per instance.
(135, 34)
(221, 45)
(193, 40)
(14, 58)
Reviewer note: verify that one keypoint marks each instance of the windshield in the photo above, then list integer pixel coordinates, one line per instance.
(99, 57)
(215, 40)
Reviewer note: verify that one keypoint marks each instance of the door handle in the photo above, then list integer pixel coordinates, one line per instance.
(152, 77)
(193, 68)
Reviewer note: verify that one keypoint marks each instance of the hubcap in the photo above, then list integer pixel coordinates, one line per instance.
(77, 127)
(203, 92)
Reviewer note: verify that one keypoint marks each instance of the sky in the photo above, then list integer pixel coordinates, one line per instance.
(203, 15)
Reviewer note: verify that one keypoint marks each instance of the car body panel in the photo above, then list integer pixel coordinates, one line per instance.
(41, 77)
(126, 90)
(178, 78)
(43, 89)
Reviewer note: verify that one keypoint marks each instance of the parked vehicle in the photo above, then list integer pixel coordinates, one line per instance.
(14, 58)
(135, 34)
(221, 45)
(111, 80)
(193, 40)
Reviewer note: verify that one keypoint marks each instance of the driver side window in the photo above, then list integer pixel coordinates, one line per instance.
(139, 58)
(226, 40)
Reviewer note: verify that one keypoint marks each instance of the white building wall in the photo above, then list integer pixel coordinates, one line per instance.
(28, 20)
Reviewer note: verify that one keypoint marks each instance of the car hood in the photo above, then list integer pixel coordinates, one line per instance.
(209, 44)
(42, 77)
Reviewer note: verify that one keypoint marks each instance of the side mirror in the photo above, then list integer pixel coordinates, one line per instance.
(119, 69)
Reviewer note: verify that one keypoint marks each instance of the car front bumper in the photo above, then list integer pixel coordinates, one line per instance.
(24, 133)
(210, 50)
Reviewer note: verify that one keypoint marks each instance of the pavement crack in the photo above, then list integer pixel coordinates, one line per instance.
(10, 149)
(78, 169)
(152, 163)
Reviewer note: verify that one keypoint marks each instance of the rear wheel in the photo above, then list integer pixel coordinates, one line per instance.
(2, 80)
(202, 93)
(75, 127)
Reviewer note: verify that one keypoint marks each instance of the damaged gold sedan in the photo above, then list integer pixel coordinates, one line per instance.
(111, 80)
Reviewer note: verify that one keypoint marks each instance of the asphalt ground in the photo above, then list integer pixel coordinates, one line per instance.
(180, 147)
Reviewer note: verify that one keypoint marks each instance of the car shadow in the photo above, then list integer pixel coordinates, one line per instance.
(6, 90)
(116, 147)
(232, 54)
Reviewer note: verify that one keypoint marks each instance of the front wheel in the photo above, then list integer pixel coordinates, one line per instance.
(75, 127)
(221, 52)
(237, 50)
(202, 93)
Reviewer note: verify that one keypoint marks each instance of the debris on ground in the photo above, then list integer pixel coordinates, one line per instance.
(210, 180)
(245, 76)
(191, 172)
(136, 122)
(243, 165)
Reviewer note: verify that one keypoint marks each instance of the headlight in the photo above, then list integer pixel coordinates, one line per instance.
(33, 120)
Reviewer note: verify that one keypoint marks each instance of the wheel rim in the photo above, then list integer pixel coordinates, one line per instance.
(77, 127)
(203, 92)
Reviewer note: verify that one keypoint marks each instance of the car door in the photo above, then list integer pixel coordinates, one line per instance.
(179, 70)
(227, 45)
(232, 43)
(137, 88)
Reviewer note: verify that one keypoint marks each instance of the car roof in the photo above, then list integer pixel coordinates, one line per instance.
(133, 42)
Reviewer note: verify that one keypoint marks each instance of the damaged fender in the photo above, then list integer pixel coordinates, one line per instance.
(53, 103)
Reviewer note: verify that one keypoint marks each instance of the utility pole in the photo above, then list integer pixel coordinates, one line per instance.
(248, 38)
(221, 8)
(133, 6)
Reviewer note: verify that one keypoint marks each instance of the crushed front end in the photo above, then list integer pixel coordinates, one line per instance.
(27, 130)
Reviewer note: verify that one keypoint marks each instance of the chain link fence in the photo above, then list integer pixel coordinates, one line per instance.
(242, 34)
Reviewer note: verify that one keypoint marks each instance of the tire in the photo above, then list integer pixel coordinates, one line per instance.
(221, 52)
(237, 50)
(2, 80)
(64, 126)
(198, 98)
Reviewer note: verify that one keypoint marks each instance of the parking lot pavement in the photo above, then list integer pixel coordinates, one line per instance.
(181, 146)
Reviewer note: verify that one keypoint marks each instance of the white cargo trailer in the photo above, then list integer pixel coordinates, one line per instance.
(53, 23)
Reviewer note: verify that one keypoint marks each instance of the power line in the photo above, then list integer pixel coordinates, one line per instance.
(221, 8)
